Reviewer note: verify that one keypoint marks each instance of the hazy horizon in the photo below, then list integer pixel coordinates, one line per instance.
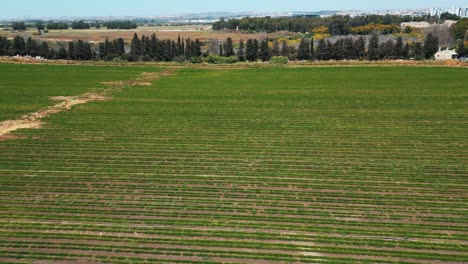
(91, 8)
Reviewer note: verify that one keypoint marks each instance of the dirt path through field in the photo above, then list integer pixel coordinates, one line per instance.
(34, 120)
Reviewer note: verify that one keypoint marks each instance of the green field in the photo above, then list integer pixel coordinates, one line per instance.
(273, 165)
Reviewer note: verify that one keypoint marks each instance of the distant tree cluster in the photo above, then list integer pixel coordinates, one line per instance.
(21, 46)
(77, 50)
(57, 26)
(80, 25)
(337, 25)
(127, 24)
(154, 49)
(448, 16)
(109, 50)
(18, 26)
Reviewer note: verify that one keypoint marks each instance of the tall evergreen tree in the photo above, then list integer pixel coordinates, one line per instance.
(276, 48)
(197, 48)
(32, 47)
(256, 44)
(321, 52)
(360, 48)
(19, 46)
(71, 51)
(135, 46)
(61, 53)
(265, 50)
(251, 50)
(180, 47)
(431, 45)
(406, 52)
(417, 51)
(154, 47)
(387, 50)
(229, 48)
(119, 45)
(373, 50)
(304, 50)
(285, 49)
(241, 51)
(4, 46)
(348, 49)
(461, 49)
(312, 49)
(399, 48)
(44, 51)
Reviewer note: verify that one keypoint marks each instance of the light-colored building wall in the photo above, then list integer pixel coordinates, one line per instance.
(446, 55)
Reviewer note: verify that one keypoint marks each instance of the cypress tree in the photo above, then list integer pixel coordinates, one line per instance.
(321, 52)
(180, 47)
(153, 47)
(360, 48)
(79, 50)
(43, 50)
(312, 49)
(285, 49)
(71, 51)
(264, 50)
(276, 48)
(373, 51)
(251, 52)
(304, 50)
(256, 45)
(119, 46)
(348, 49)
(399, 48)
(229, 48)
(61, 53)
(418, 52)
(135, 46)
(406, 52)
(461, 49)
(32, 49)
(431, 45)
(241, 51)
(4, 47)
(188, 49)
(19, 46)
(197, 48)
(387, 50)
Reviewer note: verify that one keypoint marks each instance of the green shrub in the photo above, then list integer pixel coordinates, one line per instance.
(215, 59)
(180, 59)
(196, 59)
(279, 60)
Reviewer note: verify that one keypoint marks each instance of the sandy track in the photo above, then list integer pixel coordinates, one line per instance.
(34, 120)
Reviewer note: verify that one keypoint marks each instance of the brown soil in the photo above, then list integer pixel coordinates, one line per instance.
(34, 120)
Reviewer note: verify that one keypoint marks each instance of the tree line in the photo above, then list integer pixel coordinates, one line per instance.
(342, 49)
(127, 24)
(338, 25)
(151, 48)
(144, 48)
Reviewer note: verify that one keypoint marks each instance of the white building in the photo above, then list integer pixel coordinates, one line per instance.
(443, 55)
(459, 11)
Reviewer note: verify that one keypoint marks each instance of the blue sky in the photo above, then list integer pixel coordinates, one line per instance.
(41, 8)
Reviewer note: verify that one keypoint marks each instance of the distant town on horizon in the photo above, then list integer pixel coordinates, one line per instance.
(210, 17)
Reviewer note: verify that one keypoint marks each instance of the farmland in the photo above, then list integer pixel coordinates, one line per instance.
(203, 33)
(269, 165)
